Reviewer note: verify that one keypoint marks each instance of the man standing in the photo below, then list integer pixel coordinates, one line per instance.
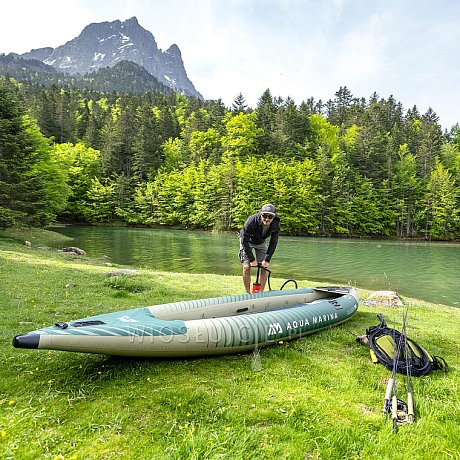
(258, 227)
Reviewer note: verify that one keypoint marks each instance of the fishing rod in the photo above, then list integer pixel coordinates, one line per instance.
(386, 401)
(394, 399)
(390, 385)
(410, 400)
(390, 402)
(399, 354)
(400, 411)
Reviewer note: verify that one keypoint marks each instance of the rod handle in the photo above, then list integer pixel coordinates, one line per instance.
(386, 401)
(394, 408)
(410, 407)
(394, 412)
(389, 389)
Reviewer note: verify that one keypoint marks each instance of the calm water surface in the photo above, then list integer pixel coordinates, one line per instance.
(429, 271)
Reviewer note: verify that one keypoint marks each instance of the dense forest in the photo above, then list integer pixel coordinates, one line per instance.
(350, 166)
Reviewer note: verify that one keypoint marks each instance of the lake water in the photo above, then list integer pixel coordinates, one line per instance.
(425, 270)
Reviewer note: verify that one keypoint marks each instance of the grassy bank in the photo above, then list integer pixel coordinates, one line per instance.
(317, 397)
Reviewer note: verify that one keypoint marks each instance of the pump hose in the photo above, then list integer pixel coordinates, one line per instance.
(270, 274)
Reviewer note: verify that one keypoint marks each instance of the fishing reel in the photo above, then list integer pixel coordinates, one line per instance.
(402, 412)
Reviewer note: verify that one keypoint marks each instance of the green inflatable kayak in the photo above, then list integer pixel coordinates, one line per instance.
(215, 326)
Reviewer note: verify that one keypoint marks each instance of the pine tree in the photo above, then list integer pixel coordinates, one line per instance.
(337, 110)
(430, 143)
(32, 186)
(407, 191)
(98, 116)
(117, 150)
(147, 152)
(239, 104)
(290, 131)
(441, 214)
(266, 112)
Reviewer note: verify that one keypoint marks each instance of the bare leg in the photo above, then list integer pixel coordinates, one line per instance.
(247, 278)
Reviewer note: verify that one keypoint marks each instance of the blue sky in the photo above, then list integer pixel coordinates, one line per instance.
(406, 48)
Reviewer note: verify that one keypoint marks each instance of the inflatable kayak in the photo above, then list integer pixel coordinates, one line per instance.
(221, 325)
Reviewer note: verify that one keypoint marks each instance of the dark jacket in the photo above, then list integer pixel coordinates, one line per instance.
(252, 233)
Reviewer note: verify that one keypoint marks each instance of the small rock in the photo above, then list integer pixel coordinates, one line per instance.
(74, 251)
(70, 285)
(28, 244)
(122, 272)
(383, 298)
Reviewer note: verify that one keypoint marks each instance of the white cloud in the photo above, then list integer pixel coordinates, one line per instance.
(297, 48)
(360, 55)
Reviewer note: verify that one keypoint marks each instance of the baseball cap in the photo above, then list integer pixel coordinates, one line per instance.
(268, 209)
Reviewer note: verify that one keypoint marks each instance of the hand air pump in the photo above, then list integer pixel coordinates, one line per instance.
(256, 285)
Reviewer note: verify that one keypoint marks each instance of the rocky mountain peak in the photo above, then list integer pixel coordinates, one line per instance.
(105, 44)
(174, 50)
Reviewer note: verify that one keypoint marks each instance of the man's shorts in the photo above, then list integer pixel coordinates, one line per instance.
(260, 250)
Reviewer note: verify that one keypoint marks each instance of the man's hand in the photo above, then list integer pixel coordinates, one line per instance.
(253, 263)
(265, 264)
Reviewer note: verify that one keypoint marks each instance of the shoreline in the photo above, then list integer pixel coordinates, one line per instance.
(41, 239)
(420, 239)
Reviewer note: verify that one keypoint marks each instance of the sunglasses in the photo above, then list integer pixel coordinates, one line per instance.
(267, 216)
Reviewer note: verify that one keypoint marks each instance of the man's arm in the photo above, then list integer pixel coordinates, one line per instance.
(272, 246)
(245, 235)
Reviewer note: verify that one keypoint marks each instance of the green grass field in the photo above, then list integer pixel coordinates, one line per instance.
(314, 398)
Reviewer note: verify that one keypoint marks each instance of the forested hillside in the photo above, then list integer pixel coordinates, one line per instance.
(126, 77)
(350, 166)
